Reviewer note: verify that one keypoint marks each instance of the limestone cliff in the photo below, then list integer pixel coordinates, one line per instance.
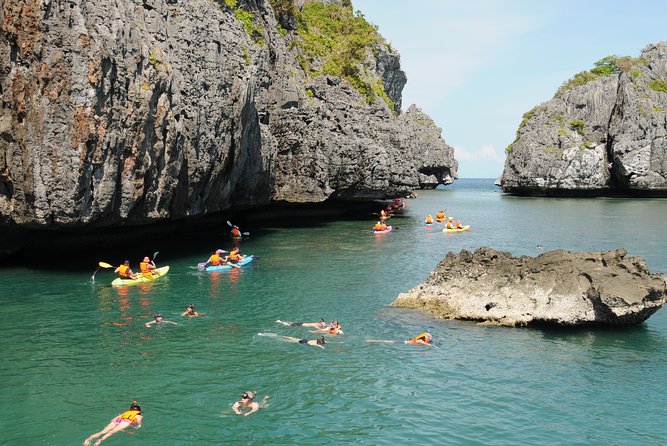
(134, 111)
(605, 131)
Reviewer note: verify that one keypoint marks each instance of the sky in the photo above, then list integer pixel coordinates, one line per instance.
(477, 66)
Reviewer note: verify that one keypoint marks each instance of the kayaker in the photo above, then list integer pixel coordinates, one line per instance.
(159, 319)
(377, 227)
(383, 214)
(312, 342)
(424, 338)
(147, 267)
(440, 216)
(450, 223)
(124, 271)
(216, 258)
(383, 226)
(190, 311)
(236, 233)
(429, 220)
(128, 418)
(319, 325)
(459, 225)
(234, 257)
(247, 400)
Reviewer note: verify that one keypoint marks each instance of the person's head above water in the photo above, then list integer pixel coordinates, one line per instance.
(320, 341)
(135, 406)
(249, 395)
(157, 316)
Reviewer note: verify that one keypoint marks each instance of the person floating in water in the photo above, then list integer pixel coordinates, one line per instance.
(334, 328)
(423, 339)
(318, 325)
(128, 418)
(124, 271)
(190, 311)
(312, 342)
(147, 267)
(247, 401)
(159, 319)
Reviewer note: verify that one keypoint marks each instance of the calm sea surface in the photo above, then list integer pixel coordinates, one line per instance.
(76, 353)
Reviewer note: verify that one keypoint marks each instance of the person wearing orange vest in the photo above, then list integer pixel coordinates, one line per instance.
(216, 258)
(233, 258)
(450, 223)
(378, 227)
(147, 267)
(424, 338)
(236, 233)
(429, 220)
(128, 418)
(440, 216)
(124, 271)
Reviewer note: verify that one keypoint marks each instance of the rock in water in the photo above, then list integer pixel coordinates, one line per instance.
(559, 288)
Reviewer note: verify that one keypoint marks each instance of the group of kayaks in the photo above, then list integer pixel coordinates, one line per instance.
(441, 218)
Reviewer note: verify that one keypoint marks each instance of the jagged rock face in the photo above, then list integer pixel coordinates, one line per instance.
(117, 112)
(606, 136)
(557, 288)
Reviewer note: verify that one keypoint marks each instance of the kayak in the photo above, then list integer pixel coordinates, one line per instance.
(383, 232)
(464, 228)
(243, 261)
(161, 272)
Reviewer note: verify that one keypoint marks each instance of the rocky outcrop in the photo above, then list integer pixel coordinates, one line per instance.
(604, 132)
(557, 288)
(137, 111)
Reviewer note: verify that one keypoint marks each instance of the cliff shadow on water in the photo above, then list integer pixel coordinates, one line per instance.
(79, 249)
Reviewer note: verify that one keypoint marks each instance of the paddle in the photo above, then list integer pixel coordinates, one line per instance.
(103, 265)
(155, 255)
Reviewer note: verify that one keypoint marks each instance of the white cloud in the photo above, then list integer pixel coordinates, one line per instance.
(486, 153)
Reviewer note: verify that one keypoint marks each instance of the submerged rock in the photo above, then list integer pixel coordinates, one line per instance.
(559, 288)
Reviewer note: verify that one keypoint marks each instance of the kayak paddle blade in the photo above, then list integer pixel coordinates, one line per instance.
(105, 265)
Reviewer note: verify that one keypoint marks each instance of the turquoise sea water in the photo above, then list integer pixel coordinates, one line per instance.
(76, 353)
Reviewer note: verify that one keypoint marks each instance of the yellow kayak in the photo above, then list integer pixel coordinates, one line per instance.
(161, 272)
(464, 228)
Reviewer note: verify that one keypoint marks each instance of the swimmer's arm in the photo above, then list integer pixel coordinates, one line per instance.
(148, 324)
(137, 424)
(170, 322)
(255, 408)
(235, 408)
(184, 313)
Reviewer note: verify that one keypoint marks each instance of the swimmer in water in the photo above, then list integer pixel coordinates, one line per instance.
(128, 418)
(190, 311)
(312, 342)
(248, 401)
(159, 320)
(318, 325)
(423, 339)
(334, 328)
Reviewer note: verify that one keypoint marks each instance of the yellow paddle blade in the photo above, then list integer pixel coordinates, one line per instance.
(105, 265)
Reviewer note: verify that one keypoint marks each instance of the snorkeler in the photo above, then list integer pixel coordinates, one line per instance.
(424, 339)
(312, 342)
(128, 418)
(159, 319)
(334, 328)
(247, 400)
(190, 311)
(319, 325)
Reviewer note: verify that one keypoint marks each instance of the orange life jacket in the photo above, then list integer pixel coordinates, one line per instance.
(429, 219)
(440, 216)
(123, 271)
(236, 232)
(234, 255)
(422, 337)
(215, 260)
(143, 266)
(130, 415)
(378, 227)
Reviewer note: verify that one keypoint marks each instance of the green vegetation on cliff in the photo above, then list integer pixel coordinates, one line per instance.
(607, 66)
(334, 40)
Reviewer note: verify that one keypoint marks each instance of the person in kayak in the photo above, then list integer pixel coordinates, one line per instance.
(158, 319)
(216, 259)
(451, 224)
(247, 400)
(440, 216)
(125, 272)
(425, 339)
(128, 418)
(378, 226)
(383, 214)
(429, 220)
(312, 342)
(190, 311)
(320, 325)
(147, 267)
(234, 256)
(235, 232)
